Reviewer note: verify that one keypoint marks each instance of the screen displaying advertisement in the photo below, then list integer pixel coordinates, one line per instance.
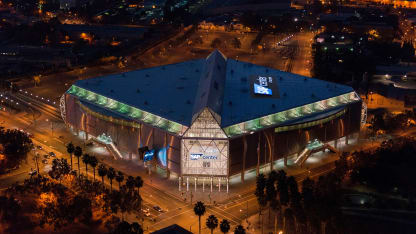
(264, 86)
(204, 157)
(148, 155)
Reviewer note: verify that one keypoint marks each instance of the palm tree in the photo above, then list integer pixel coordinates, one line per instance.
(119, 178)
(93, 163)
(78, 153)
(86, 161)
(70, 148)
(239, 230)
(102, 171)
(275, 206)
(130, 183)
(138, 182)
(199, 210)
(212, 223)
(225, 226)
(111, 173)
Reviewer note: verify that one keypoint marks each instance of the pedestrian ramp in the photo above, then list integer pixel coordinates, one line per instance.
(114, 151)
(311, 148)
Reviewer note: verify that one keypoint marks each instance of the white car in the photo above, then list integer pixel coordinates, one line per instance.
(146, 212)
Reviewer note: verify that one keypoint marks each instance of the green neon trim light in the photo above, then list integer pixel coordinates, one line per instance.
(294, 113)
(127, 110)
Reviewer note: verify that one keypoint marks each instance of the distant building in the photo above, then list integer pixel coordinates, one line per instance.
(172, 229)
(67, 4)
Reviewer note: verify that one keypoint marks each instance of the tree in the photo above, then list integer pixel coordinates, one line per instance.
(225, 226)
(138, 182)
(239, 230)
(60, 168)
(216, 43)
(212, 223)
(93, 163)
(261, 197)
(70, 148)
(78, 153)
(111, 173)
(16, 145)
(119, 178)
(270, 188)
(130, 182)
(236, 43)
(127, 228)
(199, 210)
(275, 206)
(102, 171)
(86, 161)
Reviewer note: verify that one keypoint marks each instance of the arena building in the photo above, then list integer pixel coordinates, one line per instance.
(210, 118)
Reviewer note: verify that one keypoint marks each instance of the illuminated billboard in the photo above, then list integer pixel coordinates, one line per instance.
(148, 155)
(264, 86)
(204, 157)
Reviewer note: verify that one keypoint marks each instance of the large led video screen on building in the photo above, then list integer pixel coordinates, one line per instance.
(204, 157)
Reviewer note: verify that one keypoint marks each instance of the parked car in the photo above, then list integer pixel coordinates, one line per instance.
(146, 212)
(157, 208)
(45, 161)
(52, 154)
(39, 147)
(46, 156)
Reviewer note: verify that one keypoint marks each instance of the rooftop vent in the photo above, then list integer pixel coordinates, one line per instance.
(123, 74)
(145, 102)
(280, 78)
(267, 70)
(111, 91)
(215, 85)
(137, 90)
(197, 70)
(147, 75)
(305, 79)
(183, 78)
(230, 103)
(273, 106)
(244, 90)
(243, 79)
(163, 68)
(313, 95)
(218, 67)
(188, 102)
(180, 87)
(232, 71)
(284, 94)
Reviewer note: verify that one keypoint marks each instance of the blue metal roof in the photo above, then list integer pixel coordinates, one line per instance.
(179, 92)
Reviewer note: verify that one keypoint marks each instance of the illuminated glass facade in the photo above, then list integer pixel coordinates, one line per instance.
(204, 147)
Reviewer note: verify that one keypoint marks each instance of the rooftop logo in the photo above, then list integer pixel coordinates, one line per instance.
(264, 86)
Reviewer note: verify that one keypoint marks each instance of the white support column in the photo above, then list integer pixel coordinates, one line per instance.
(195, 184)
(211, 184)
(187, 183)
(227, 185)
(180, 183)
(203, 185)
(219, 184)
